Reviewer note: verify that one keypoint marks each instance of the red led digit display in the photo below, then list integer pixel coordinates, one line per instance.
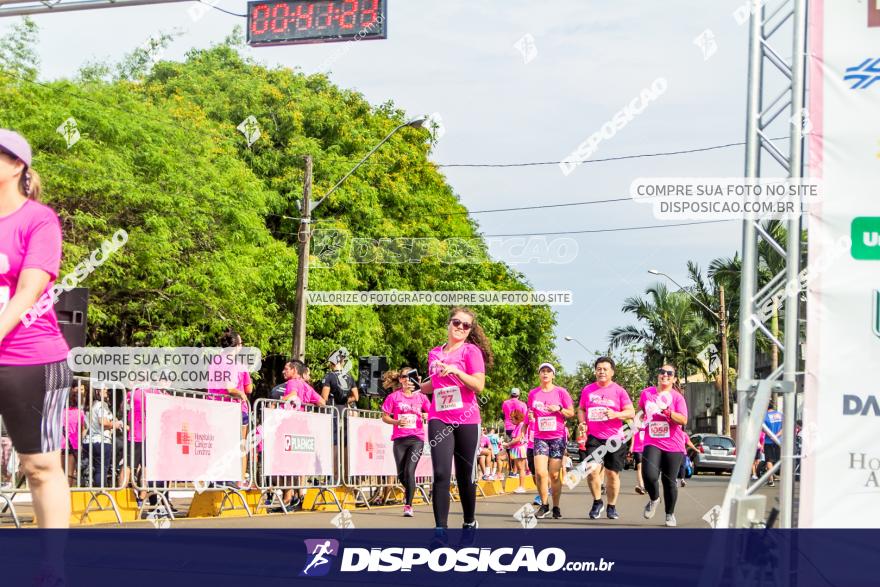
(290, 22)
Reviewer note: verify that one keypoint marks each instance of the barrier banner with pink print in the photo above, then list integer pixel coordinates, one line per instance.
(297, 443)
(189, 439)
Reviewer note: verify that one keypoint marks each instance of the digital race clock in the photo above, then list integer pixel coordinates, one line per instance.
(292, 22)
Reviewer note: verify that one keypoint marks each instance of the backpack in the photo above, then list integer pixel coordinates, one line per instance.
(340, 386)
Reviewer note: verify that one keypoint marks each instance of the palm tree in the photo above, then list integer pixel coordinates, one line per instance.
(672, 332)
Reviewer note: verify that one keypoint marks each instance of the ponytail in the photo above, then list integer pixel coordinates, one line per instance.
(30, 185)
(389, 379)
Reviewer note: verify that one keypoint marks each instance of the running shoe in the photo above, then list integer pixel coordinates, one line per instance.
(612, 512)
(543, 511)
(513, 475)
(468, 534)
(485, 477)
(670, 520)
(557, 513)
(754, 477)
(597, 509)
(519, 490)
(771, 484)
(440, 540)
(408, 511)
(684, 483)
(651, 508)
(640, 490)
(537, 500)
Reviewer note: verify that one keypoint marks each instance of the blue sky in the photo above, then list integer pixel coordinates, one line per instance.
(457, 58)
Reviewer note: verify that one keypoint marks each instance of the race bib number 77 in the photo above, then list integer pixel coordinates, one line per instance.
(447, 398)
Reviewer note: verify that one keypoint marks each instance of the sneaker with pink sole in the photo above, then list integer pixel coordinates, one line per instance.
(408, 511)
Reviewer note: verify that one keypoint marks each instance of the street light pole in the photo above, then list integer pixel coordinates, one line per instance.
(304, 235)
(721, 317)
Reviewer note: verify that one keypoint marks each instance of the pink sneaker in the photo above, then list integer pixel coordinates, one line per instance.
(408, 511)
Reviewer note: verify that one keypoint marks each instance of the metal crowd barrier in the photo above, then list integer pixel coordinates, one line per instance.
(161, 506)
(92, 448)
(11, 481)
(377, 485)
(273, 487)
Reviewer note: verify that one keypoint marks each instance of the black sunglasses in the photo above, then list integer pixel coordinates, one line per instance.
(460, 324)
(666, 372)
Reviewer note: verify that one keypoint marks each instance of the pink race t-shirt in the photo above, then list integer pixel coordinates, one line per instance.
(409, 411)
(74, 422)
(595, 401)
(660, 431)
(517, 430)
(304, 392)
(638, 440)
(510, 406)
(242, 380)
(136, 401)
(484, 442)
(549, 425)
(30, 238)
(453, 401)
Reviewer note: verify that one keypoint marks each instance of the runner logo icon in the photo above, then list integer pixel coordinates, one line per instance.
(321, 553)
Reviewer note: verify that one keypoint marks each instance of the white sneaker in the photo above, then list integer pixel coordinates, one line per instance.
(519, 490)
(651, 508)
(754, 477)
(670, 520)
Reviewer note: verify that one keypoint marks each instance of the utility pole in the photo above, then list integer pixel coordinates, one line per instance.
(302, 270)
(725, 379)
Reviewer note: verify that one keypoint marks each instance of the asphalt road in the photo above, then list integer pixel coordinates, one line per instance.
(694, 501)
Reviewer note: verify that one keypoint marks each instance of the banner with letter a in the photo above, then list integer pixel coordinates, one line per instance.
(840, 480)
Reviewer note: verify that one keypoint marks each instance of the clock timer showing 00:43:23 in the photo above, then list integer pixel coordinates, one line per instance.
(285, 22)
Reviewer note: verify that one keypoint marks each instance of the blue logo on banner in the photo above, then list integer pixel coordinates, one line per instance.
(864, 74)
(321, 553)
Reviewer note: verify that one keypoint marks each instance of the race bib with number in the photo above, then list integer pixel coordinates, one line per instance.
(447, 398)
(597, 414)
(658, 429)
(407, 420)
(547, 424)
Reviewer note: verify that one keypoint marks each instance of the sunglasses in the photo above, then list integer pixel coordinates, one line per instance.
(460, 324)
(666, 372)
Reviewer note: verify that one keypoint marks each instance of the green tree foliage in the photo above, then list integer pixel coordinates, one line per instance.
(212, 220)
(672, 331)
(17, 54)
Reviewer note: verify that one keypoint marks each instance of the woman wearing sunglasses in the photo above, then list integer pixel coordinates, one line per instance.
(457, 372)
(665, 412)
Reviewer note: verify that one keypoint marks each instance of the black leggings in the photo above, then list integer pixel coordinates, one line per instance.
(407, 452)
(655, 462)
(458, 444)
(530, 459)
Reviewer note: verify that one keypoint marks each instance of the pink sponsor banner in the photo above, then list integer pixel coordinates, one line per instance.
(191, 439)
(370, 447)
(371, 450)
(297, 443)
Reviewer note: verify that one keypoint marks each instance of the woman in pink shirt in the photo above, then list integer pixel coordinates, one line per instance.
(457, 371)
(550, 405)
(665, 412)
(74, 428)
(242, 388)
(403, 409)
(34, 377)
(516, 448)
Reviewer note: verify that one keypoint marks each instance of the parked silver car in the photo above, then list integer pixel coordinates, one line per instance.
(714, 453)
